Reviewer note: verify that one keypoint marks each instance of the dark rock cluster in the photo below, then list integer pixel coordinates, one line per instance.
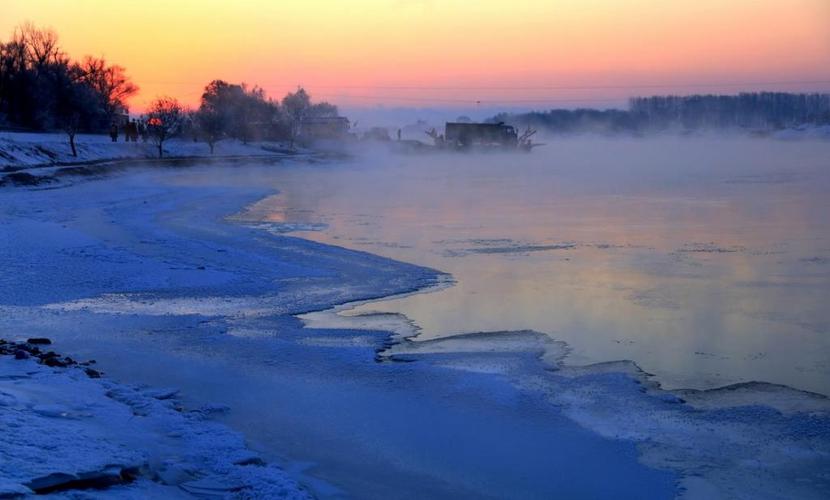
(25, 179)
(111, 475)
(32, 349)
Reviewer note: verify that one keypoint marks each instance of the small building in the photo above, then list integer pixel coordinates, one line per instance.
(377, 134)
(324, 127)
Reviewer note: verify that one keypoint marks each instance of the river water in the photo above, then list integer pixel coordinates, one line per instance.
(705, 261)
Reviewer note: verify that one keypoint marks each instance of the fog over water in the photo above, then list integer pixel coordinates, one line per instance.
(706, 261)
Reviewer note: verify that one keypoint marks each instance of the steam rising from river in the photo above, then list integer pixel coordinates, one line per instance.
(705, 260)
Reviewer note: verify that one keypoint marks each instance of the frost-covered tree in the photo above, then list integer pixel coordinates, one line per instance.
(211, 125)
(165, 117)
(322, 109)
(236, 110)
(296, 106)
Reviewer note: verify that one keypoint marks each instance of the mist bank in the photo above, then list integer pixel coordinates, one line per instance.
(762, 113)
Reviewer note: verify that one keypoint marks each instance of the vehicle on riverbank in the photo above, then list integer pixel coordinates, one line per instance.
(462, 136)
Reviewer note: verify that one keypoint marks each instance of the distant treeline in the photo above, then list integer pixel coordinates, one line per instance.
(758, 112)
(42, 89)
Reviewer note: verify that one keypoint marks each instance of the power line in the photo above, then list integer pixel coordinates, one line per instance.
(530, 87)
(465, 101)
(472, 101)
(579, 87)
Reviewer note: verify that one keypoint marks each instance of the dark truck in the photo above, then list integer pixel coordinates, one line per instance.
(500, 136)
(466, 135)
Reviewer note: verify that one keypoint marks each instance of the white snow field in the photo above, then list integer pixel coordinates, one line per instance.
(162, 277)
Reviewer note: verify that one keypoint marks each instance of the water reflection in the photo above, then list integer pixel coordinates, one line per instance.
(707, 262)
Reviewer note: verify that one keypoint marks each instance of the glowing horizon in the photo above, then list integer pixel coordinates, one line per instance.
(452, 53)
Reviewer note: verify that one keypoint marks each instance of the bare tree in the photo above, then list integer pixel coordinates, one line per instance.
(41, 45)
(74, 103)
(40, 87)
(164, 120)
(111, 83)
(13, 81)
(31, 62)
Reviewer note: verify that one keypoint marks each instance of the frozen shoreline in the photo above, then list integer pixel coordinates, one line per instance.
(174, 267)
(553, 354)
(67, 430)
(736, 429)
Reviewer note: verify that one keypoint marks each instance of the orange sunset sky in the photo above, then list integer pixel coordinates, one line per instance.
(554, 53)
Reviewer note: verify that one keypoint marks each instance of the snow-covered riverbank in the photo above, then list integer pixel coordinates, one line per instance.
(66, 429)
(26, 150)
(144, 273)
